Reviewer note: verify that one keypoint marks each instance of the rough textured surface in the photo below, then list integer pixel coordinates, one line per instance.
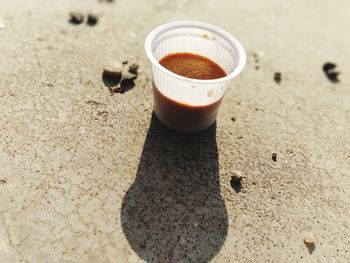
(89, 177)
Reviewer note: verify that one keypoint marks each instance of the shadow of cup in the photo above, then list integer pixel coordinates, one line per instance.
(173, 212)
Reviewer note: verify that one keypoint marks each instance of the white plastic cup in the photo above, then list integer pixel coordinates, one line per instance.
(184, 104)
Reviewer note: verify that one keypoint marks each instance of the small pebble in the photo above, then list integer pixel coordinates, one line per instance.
(112, 73)
(309, 239)
(113, 69)
(278, 77)
(274, 157)
(328, 66)
(76, 18)
(236, 182)
(133, 68)
(330, 71)
(115, 73)
(310, 242)
(129, 76)
(92, 20)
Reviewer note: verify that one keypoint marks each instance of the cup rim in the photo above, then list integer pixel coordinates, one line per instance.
(164, 27)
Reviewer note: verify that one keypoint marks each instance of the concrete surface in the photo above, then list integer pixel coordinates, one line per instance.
(89, 177)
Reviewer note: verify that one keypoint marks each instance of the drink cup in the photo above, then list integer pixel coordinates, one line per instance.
(184, 104)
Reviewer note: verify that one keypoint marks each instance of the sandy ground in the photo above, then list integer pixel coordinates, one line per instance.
(89, 177)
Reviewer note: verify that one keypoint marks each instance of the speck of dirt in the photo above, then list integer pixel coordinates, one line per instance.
(278, 77)
(76, 18)
(2, 181)
(125, 62)
(112, 90)
(103, 115)
(274, 157)
(256, 61)
(331, 73)
(133, 68)
(92, 20)
(236, 182)
(233, 119)
(94, 103)
(328, 66)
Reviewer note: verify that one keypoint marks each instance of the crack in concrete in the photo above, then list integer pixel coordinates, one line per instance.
(10, 242)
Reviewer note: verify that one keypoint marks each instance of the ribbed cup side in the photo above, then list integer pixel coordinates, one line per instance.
(182, 117)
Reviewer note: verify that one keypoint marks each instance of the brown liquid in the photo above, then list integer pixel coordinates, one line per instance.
(192, 66)
(179, 116)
